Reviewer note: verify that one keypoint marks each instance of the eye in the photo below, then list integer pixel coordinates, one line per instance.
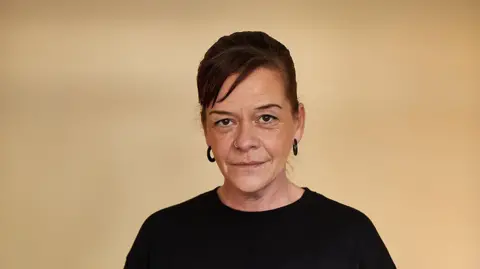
(223, 122)
(267, 118)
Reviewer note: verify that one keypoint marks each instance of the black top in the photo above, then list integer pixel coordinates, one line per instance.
(313, 232)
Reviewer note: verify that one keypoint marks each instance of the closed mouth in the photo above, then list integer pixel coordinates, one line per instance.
(248, 164)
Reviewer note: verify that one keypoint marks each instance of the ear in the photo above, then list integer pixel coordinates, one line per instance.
(206, 134)
(205, 127)
(300, 122)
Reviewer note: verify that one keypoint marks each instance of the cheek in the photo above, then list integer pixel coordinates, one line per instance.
(277, 142)
(221, 143)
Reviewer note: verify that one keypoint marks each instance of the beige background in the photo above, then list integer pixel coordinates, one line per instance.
(99, 123)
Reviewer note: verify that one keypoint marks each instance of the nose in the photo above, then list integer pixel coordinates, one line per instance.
(246, 138)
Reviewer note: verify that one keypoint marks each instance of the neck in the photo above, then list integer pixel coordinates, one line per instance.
(278, 193)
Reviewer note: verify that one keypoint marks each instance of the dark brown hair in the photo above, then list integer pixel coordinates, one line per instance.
(241, 53)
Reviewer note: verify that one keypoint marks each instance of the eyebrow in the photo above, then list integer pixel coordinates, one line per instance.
(220, 112)
(263, 107)
(267, 106)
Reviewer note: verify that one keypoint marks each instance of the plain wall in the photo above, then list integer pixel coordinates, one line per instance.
(99, 123)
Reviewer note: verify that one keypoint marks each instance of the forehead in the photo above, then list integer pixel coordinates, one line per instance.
(262, 86)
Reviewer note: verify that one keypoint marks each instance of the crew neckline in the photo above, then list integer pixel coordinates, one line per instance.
(307, 192)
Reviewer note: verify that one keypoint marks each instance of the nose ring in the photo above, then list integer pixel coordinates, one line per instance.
(235, 144)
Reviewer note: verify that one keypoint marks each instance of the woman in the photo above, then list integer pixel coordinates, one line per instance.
(252, 120)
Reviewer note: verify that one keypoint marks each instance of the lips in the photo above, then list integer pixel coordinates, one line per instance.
(248, 164)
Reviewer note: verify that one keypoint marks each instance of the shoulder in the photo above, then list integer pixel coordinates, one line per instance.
(175, 213)
(359, 229)
(158, 226)
(333, 207)
(339, 214)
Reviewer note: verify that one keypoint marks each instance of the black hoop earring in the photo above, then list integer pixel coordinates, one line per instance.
(210, 158)
(295, 147)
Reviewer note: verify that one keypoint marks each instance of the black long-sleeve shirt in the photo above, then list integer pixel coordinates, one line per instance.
(313, 232)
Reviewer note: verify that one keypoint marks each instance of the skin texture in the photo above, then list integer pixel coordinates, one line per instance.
(251, 134)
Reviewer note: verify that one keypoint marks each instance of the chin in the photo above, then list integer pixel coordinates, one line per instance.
(249, 179)
(249, 184)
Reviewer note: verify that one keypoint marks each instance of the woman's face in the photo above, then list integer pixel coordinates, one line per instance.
(251, 132)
